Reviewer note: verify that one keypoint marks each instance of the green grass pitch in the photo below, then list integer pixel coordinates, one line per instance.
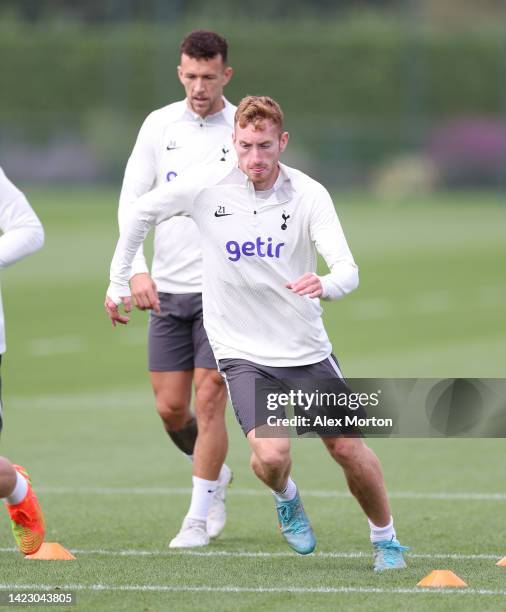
(79, 414)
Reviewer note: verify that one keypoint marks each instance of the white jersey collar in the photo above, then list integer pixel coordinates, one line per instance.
(225, 115)
(283, 188)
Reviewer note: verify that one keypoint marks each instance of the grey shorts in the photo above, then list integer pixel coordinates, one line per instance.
(241, 376)
(1, 405)
(177, 339)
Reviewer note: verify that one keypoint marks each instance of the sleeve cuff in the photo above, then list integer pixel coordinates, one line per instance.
(330, 290)
(116, 291)
(324, 280)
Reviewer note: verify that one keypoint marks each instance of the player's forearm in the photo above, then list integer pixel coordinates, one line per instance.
(139, 263)
(130, 193)
(19, 243)
(331, 244)
(132, 236)
(174, 199)
(343, 279)
(149, 210)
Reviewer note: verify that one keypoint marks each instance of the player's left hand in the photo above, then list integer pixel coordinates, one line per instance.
(308, 284)
(113, 313)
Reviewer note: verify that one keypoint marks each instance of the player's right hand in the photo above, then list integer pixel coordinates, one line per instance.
(144, 292)
(113, 312)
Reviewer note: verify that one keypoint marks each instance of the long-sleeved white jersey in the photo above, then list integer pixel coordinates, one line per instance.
(22, 233)
(172, 140)
(251, 248)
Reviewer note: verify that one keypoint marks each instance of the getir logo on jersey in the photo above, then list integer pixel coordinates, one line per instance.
(260, 248)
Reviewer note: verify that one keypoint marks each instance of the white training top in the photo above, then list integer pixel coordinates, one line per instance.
(22, 233)
(251, 248)
(172, 140)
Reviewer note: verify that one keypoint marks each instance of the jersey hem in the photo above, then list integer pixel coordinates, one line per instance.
(274, 363)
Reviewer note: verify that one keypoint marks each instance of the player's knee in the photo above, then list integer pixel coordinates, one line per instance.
(344, 450)
(173, 414)
(271, 459)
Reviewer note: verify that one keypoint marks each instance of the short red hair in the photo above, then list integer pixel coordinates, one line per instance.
(256, 109)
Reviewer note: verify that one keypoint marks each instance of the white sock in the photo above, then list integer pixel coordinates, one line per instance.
(224, 473)
(288, 493)
(19, 492)
(202, 496)
(382, 533)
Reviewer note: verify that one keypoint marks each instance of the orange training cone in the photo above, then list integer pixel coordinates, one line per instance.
(50, 551)
(441, 578)
(502, 562)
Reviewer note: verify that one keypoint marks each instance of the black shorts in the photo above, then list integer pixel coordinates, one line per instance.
(242, 378)
(177, 339)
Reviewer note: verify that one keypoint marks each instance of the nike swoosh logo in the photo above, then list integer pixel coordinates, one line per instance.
(169, 148)
(222, 214)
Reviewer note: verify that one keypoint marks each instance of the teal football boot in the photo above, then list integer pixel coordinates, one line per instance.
(388, 555)
(295, 526)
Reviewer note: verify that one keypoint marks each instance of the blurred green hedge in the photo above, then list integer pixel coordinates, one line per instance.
(368, 72)
(355, 93)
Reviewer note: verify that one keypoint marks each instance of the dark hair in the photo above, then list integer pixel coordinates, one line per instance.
(204, 44)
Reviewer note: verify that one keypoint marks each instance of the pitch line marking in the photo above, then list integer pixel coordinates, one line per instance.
(161, 588)
(260, 554)
(458, 496)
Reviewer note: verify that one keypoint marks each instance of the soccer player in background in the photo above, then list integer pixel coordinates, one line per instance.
(171, 141)
(261, 224)
(22, 235)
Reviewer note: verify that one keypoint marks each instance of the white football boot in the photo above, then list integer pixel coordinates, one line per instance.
(192, 534)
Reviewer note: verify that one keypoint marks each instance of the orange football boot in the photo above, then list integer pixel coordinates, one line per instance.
(27, 520)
